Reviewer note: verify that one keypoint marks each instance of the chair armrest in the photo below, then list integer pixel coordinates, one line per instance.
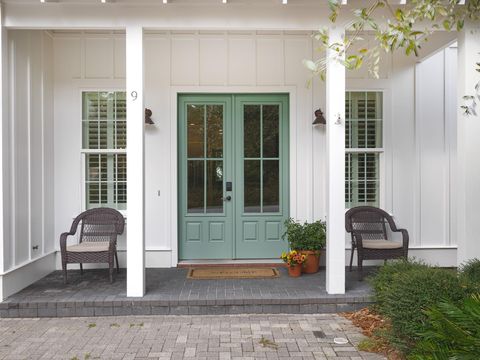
(405, 237)
(63, 240)
(357, 240)
(112, 242)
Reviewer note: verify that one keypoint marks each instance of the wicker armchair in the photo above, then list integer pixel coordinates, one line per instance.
(367, 226)
(97, 242)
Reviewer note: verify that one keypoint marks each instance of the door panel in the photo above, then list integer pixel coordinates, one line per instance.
(261, 156)
(233, 176)
(206, 220)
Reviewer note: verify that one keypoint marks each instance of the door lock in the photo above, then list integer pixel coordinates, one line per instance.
(227, 198)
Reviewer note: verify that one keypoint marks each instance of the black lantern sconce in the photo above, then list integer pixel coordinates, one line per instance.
(319, 118)
(148, 117)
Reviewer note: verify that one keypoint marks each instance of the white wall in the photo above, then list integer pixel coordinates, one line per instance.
(435, 135)
(28, 153)
(256, 61)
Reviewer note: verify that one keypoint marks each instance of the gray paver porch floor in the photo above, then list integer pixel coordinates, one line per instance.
(170, 292)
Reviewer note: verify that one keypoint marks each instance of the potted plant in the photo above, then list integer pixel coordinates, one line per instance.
(294, 261)
(308, 239)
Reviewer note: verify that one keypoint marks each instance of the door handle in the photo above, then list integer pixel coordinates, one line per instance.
(227, 198)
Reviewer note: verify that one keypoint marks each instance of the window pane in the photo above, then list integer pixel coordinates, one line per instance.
(362, 179)
(195, 191)
(271, 186)
(195, 126)
(106, 180)
(214, 186)
(90, 106)
(121, 134)
(214, 131)
(270, 131)
(251, 129)
(363, 113)
(106, 102)
(120, 106)
(252, 186)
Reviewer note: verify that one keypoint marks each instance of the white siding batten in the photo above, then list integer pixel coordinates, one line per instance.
(335, 111)
(468, 150)
(136, 163)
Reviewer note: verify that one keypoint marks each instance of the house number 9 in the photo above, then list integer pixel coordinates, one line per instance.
(134, 95)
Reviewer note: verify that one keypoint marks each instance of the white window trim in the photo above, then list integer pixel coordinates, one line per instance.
(83, 152)
(381, 151)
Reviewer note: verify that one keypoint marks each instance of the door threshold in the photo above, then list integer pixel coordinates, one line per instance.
(231, 263)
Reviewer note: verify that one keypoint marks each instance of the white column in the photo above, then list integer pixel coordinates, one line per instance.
(135, 163)
(335, 116)
(468, 147)
(3, 121)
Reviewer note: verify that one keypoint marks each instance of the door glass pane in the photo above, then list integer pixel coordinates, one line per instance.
(270, 131)
(214, 186)
(252, 186)
(214, 131)
(195, 186)
(271, 186)
(251, 130)
(195, 132)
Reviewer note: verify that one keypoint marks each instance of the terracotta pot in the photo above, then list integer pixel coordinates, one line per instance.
(295, 270)
(313, 261)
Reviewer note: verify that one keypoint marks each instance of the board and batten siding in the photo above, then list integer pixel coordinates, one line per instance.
(218, 61)
(29, 218)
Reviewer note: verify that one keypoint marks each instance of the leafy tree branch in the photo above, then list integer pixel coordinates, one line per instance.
(406, 28)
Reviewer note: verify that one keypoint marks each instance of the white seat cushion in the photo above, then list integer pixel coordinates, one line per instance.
(381, 244)
(89, 246)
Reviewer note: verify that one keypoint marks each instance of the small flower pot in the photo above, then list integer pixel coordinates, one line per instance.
(295, 270)
(313, 261)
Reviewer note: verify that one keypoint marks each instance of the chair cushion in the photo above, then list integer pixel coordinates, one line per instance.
(89, 246)
(381, 244)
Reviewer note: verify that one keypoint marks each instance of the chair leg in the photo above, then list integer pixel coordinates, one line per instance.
(351, 257)
(110, 270)
(118, 265)
(360, 268)
(64, 267)
(81, 269)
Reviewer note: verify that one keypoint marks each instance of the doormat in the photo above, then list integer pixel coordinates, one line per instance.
(210, 273)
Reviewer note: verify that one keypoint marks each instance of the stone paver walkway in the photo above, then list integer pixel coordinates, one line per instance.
(181, 337)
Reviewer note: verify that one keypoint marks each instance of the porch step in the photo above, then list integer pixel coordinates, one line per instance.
(169, 292)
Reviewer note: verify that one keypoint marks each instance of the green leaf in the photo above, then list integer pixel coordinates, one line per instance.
(399, 14)
(311, 65)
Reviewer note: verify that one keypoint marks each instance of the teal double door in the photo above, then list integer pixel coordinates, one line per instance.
(233, 176)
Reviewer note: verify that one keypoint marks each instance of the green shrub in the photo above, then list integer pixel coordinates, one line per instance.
(382, 280)
(404, 290)
(452, 332)
(470, 272)
(306, 236)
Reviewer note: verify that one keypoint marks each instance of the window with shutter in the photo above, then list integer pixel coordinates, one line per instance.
(104, 139)
(364, 146)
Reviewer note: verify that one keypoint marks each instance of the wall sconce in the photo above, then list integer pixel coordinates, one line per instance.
(319, 118)
(148, 117)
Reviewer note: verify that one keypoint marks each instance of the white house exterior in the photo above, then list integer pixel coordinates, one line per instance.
(58, 58)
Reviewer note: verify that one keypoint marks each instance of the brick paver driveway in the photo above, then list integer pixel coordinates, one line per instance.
(181, 337)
